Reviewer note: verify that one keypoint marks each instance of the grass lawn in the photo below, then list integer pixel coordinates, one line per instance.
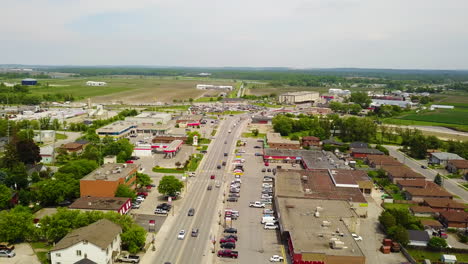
(397, 206)
(250, 135)
(167, 170)
(204, 147)
(214, 132)
(194, 162)
(204, 141)
(60, 136)
(41, 249)
(420, 255)
(206, 99)
(38, 245)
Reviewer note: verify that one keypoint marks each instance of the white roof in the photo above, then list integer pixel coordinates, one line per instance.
(449, 257)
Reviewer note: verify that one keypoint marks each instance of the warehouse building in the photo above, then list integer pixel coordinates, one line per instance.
(150, 118)
(28, 81)
(274, 140)
(93, 83)
(214, 87)
(117, 129)
(299, 97)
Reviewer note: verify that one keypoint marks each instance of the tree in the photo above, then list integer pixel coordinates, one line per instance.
(255, 132)
(125, 191)
(400, 235)
(191, 100)
(79, 168)
(17, 177)
(178, 164)
(418, 146)
(170, 185)
(10, 157)
(387, 220)
(143, 179)
(438, 179)
(360, 98)
(134, 238)
(28, 151)
(53, 191)
(437, 243)
(282, 125)
(16, 225)
(5, 196)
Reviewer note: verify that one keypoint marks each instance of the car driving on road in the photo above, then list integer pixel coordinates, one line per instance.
(181, 235)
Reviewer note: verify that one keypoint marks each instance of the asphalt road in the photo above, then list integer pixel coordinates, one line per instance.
(205, 203)
(430, 174)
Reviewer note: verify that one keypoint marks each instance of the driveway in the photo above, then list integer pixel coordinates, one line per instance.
(24, 255)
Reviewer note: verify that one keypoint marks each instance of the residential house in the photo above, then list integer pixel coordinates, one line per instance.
(454, 219)
(359, 145)
(310, 141)
(362, 153)
(422, 211)
(377, 161)
(419, 183)
(433, 191)
(444, 205)
(98, 242)
(73, 147)
(402, 172)
(431, 224)
(120, 205)
(47, 154)
(442, 158)
(418, 238)
(458, 167)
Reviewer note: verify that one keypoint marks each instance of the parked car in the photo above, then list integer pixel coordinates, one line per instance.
(257, 147)
(269, 170)
(219, 167)
(6, 246)
(218, 184)
(231, 236)
(266, 196)
(7, 253)
(160, 211)
(139, 199)
(356, 237)
(225, 154)
(266, 201)
(231, 199)
(191, 212)
(276, 258)
(226, 253)
(236, 195)
(257, 204)
(228, 245)
(270, 226)
(226, 240)
(129, 259)
(143, 194)
(263, 170)
(181, 235)
(267, 180)
(258, 154)
(230, 230)
(268, 211)
(135, 205)
(194, 232)
(212, 177)
(424, 167)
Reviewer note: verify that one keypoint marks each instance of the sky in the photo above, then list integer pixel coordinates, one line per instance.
(400, 34)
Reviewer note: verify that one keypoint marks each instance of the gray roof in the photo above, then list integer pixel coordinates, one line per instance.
(367, 151)
(100, 233)
(418, 235)
(85, 261)
(358, 144)
(446, 156)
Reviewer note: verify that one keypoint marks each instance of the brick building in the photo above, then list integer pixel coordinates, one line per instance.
(445, 205)
(274, 140)
(310, 141)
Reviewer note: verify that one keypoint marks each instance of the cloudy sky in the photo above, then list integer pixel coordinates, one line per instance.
(424, 34)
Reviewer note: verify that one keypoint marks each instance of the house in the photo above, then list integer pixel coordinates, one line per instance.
(98, 242)
(458, 167)
(47, 154)
(444, 205)
(442, 158)
(418, 238)
(84, 143)
(261, 119)
(361, 153)
(73, 147)
(454, 219)
(120, 205)
(401, 172)
(358, 144)
(431, 191)
(377, 161)
(422, 211)
(419, 183)
(310, 141)
(431, 224)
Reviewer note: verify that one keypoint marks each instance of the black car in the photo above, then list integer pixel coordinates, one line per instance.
(231, 199)
(224, 163)
(209, 188)
(225, 154)
(269, 170)
(191, 212)
(164, 206)
(234, 195)
(219, 167)
(231, 236)
(195, 232)
(229, 245)
(263, 170)
(257, 147)
(230, 230)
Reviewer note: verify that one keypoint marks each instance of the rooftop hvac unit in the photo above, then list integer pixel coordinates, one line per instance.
(304, 178)
(317, 214)
(337, 244)
(333, 172)
(307, 191)
(326, 223)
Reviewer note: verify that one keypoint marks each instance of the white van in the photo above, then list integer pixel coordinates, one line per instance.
(268, 219)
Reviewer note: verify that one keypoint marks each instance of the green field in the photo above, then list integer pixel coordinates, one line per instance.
(420, 255)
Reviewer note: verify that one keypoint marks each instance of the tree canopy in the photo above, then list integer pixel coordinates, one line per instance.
(170, 185)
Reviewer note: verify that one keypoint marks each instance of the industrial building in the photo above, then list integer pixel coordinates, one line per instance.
(150, 118)
(117, 129)
(214, 87)
(299, 97)
(339, 92)
(28, 81)
(103, 181)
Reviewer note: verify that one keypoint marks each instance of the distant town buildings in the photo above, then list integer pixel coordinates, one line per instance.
(93, 83)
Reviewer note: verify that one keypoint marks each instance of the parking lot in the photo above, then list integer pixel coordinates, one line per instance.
(255, 244)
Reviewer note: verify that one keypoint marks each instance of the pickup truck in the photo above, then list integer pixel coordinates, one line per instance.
(226, 253)
(129, 259)
(257, 204)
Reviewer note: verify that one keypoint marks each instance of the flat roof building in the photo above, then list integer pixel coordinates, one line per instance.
(117, 129)
(299, 97)
(150, 118)
(120, 205)
(274, 140)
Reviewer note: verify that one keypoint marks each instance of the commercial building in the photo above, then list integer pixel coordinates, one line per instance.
(299, 97)
(310, 141)
(214, 87)
(166, 139)
(339, 92)
(28, 81)
(153, 130)
(120, 205)
(442, 158)
(189, 120)
(93, 83)
(274, 140)
(309, 159)
(117, 129)
(98, 242)
(261, 119)
(150, 118)
(319, 231)
(362, 153)
(103, 181)
(402, 104)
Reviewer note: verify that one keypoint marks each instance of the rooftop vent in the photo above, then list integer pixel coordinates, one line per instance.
(307, 191)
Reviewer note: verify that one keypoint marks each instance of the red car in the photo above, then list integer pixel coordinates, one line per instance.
(267, 164)
(226, 253)
(212, 177)
(225, 240)
(129, 161)
(143, 193)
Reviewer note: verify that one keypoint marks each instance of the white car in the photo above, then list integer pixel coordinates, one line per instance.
(181, 235)
(241, 151)
(267, 185)
(267, 180)
(276, 258)
(257, 204)
(270, 226)
(139, 199)
(268, 211)
(356, 237)
(266, 196)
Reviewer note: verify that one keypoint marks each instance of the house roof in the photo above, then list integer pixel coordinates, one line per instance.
(85, 261)
(412, 183)
(428, 191)
(435, 202)
(311, 138)
(71, 145)
(383, 160)
(421, 209)
(99, 203)
(418, 235)
(332, 142)
(431, 223)
(367, 151)
(358, 144)
(459, 164)
(455, 216)
(82, 141)
(446, 156)
(401, 172)
(100, 233)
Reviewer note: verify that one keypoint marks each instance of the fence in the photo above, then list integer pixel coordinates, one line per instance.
(408, 256)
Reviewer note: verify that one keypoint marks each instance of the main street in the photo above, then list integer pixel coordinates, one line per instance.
(205, 203)
(430, 174)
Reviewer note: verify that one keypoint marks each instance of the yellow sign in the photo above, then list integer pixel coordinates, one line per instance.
(363, 205)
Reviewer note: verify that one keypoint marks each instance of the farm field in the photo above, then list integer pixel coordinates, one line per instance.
(128, 89)
(259, 90)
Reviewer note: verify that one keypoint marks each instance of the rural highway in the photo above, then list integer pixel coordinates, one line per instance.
(430, 174)
(205, 203)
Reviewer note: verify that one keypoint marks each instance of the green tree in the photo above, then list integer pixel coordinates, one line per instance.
(17, 177)
(361, 98)
(418, 146)
(282, 125)
(400, 235)
(16, 225)
(438, 179)
(170, 185)
(10, 157)
(255, 132)
(79, 168)
(125, 191)
(91, 152)
(143, 179)
(28, 151)
(387, 220)
(5, 196)
(437, 243)
(53, 191)
(134, 238)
